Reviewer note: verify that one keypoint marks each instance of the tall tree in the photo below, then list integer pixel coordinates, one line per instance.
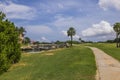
(117, 30)
(71, 32)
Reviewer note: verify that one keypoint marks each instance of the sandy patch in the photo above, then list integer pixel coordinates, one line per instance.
(49, 54)
(17, 65)
(26, 54)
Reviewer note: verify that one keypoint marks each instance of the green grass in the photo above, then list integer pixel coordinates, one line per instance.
(75, 63)
(110, 49)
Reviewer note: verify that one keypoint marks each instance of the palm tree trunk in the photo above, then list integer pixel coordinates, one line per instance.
(117, 41)
(71, 40)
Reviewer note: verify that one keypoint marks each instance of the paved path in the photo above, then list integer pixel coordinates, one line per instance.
(108, 67)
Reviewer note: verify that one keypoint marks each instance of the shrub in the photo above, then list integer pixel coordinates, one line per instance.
(9, 46)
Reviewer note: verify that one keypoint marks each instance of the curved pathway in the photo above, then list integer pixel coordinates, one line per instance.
(108, 67)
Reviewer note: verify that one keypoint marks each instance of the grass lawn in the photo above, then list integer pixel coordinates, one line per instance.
(77, 63)
(109, 49)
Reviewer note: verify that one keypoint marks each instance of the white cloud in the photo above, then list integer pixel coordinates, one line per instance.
(38, 29)
(57, 6)
(101, 29)
(37, 32)
(66, 22)
(76, 37)
(17, 11)
(63, 21)
(44, 39)
(105, 4)
(64, 32)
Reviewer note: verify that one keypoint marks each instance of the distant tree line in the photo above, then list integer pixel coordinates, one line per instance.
(9, 47)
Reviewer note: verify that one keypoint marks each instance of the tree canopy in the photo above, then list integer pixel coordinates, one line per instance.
(27, 40)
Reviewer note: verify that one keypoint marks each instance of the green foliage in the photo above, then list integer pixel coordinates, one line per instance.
(59, 42)
(2, 16)
(75, 63)
(117, 27)
(4, 64)
(9, 47)
(27, 40)
(21, 30)
(74, 42)
(117, 30)
(36, 42)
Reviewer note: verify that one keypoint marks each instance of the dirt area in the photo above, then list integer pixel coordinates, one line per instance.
(17, 65)
(108, 67)
(48, 54)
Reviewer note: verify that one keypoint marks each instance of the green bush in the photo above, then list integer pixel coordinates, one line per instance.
(9, 46)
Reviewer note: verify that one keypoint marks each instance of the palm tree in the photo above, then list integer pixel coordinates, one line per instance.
(71, 32)
(117, 30)
(21, 32)
(27, 40)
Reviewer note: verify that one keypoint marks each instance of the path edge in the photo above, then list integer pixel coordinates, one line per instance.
(97, 76)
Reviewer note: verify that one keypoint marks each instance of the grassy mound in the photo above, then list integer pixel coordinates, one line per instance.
(76, 63)
(110, 49)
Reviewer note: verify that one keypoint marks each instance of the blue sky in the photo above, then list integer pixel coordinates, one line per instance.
(48, 20)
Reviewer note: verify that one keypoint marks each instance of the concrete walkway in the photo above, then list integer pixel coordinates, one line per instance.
(108, 67)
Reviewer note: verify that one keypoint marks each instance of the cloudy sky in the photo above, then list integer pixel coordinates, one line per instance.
(48, 20)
